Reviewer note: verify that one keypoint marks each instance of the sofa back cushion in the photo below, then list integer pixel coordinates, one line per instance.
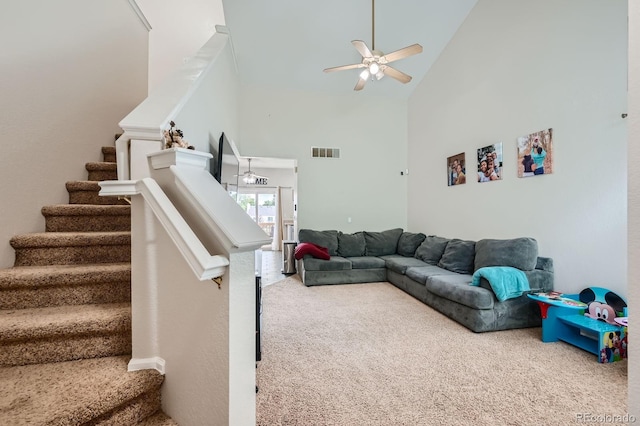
(431, 249)
(458, 256)
(351, 245)
(328, 239)
(382, 243)
(521, 253)
(409, 242)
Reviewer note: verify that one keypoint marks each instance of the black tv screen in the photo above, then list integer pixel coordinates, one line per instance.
(224, 165)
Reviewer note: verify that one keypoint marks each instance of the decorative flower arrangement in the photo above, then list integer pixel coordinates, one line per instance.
(174, 138)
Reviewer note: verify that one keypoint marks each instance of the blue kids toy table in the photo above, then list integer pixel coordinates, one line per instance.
(563, 318)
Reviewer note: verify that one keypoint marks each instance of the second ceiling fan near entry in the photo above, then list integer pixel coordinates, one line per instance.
(375, 62)
(249, 177)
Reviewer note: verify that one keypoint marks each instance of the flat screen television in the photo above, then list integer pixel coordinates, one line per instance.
(224, 166)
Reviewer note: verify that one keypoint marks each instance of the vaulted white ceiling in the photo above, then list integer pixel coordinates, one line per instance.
(288, 43)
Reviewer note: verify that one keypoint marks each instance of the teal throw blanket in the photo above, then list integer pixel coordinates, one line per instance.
(506, 282)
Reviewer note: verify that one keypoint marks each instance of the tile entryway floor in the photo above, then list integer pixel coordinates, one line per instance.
(271, 267)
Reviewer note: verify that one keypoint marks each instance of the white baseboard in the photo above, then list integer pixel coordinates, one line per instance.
(155, 363)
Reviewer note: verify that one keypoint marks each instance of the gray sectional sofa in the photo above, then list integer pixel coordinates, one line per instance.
(438, 271)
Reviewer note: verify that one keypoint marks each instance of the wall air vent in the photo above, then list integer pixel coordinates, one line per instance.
(325, 152)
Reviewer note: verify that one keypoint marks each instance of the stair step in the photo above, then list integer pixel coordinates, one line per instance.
(64, 333)
(71, 248)
(158, 419)
(23, 287)
(86, 192)
(92, 391)
(87, 218)
(109, 154)
(65, 317)
(102, 171)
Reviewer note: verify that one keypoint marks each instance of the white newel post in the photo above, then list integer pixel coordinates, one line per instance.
(132, 148)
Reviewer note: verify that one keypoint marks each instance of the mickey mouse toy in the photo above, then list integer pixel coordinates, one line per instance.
(604, 305)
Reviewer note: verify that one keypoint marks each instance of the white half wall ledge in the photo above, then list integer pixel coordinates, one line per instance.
(113, 188)
(233, 227)
(154, 113)
(204, 265)
(154, 363)
(138, 11)
(181, 157)
(152, 133)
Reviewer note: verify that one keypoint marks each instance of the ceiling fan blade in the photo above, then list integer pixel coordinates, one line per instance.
(344, 67)
(360, 84)
(414, 49)
(250, 177)
(362, 48)
(398, 75)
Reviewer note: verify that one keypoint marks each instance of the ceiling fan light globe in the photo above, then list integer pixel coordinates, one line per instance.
(364, 74)
(374, 68)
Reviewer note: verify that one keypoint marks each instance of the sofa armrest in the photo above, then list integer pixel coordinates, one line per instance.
(545, 264)
(539, 280)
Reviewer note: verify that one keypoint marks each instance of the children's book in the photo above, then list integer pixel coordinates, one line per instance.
(560, 297)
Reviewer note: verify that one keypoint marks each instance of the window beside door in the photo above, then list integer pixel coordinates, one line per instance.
(261, 207)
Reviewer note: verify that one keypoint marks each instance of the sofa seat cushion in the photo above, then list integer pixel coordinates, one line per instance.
(366, 262)
(457, 289)
(335, 263)
(400, 264)
(421, 273)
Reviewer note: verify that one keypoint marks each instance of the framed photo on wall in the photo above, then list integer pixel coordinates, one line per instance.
(535, 154)
(490, 163)
(456, 170)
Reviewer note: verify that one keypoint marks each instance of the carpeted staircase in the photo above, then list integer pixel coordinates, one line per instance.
(65, 317)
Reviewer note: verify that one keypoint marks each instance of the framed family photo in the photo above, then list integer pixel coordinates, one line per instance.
(456, 170)
(490, 163)
(535, 154)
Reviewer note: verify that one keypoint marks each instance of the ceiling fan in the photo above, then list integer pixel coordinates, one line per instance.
(250, 177)
(374, 62)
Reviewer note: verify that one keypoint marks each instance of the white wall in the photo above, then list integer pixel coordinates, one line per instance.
(214, 107)
(275, 177)
(196, 377)
(64, 90)
(634, 202)
(178, 29)
(512, 69)
(364, 184)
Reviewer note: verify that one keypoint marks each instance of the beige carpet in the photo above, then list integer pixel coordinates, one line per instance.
(78, 392)
(369, 354)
